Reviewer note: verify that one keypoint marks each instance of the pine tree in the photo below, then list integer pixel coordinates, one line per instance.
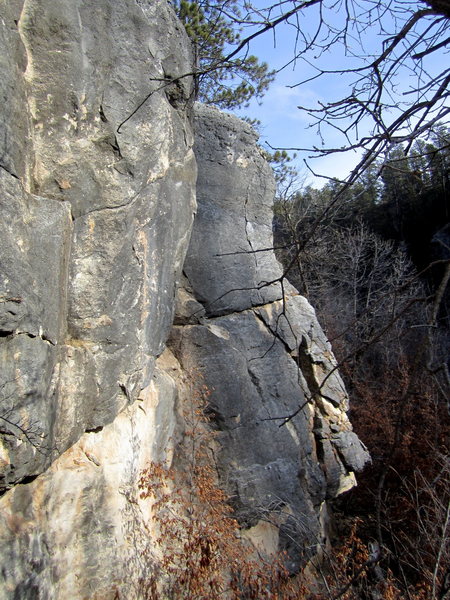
(213, 28)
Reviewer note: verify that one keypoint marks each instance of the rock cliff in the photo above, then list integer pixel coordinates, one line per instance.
(97, 203)
(95, 223)
(277, 402)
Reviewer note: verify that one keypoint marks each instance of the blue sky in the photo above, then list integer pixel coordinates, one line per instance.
(283, 125)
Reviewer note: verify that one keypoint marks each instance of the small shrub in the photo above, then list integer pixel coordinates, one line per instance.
(201, 553)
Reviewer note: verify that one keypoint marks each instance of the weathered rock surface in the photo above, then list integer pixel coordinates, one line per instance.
(80, 530)
(96, 205)
(96, 215)
(277, 402)
(235, 189)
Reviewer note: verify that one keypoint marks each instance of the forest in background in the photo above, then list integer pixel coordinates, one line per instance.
(376, 267)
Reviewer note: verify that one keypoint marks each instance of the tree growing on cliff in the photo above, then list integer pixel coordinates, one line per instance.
(394, 92)
(227, 82)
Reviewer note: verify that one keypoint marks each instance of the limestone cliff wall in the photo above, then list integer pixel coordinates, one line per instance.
(95, 223)
(97, 203)
(278, 404)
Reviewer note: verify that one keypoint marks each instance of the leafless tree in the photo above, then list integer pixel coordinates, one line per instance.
(388, 50)
(396, 93)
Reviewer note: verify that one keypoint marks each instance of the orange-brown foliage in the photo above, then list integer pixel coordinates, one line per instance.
(202, 554)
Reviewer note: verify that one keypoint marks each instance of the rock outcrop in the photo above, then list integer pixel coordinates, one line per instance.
(97, 200)
(81, 530)
(277, 401)
(95, 223)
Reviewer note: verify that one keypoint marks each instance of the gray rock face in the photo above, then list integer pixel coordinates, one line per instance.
(235, 191)
(97, 196)
(277, 402)
(97, 203)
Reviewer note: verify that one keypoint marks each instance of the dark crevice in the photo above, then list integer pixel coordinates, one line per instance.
(126, 392)
(28, 479)
(94, 429)
(191, 290)
(9, 171)
(216, 419)
(102, 114)
(5, 334)
(174, 93)
(6, 432)
(115, 146)
(306, 365)
(318, 440)
(11, 333)
(33, 336)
